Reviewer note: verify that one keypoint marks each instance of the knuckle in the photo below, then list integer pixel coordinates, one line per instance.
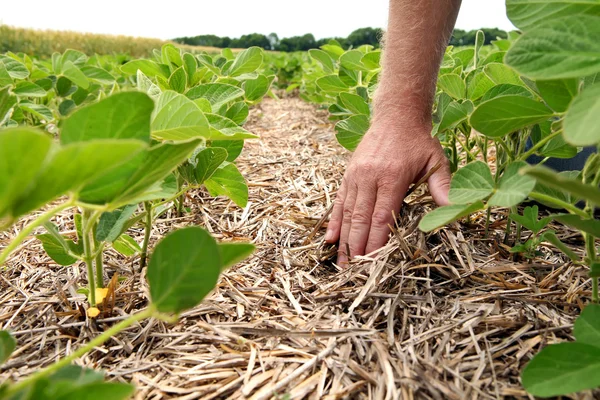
(382, 217)
(360, 217)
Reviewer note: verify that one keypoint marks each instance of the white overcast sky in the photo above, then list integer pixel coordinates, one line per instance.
(233, 18)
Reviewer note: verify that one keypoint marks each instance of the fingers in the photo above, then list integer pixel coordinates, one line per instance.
(439, 182)
(334, 226)
(347, 210)
(360, 223)
(386, 208)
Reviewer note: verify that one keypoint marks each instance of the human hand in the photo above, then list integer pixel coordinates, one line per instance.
(390, 157)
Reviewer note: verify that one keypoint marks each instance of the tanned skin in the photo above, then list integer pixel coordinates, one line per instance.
(398, 148)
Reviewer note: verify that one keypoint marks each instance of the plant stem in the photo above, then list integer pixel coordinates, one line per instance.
(88, 256)
(99, 264)
(590, 246)
(147, 231)
(97, 341)
(487, 222)
(39, 221)
(507, 150)
(563, 204)
(538, 145)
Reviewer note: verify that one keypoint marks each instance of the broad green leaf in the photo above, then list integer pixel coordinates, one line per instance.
(506, 90)
(178, 80)
(444, 215)
(111, 224)
(591, 226)
(126, 245)
(557, 147)
(587, 326)
(228, 181)
(5, 78)
(238, 112)
(562, 369)
(513, 187)
(207, 162)
(525, 14)
(22, 155)
(558, 194)
(75, 75)
(222, 128)
(352, 60)
(56, 250)
(479, 40)
(183, 269)
(529, 219)
(204, 105)
(99, 391)
(247, 61)
(217, 93)
(7, 346)
(76, 57)
(7, 103)
(559, 93)
(98, 74)
(453, 85)
(502, 74)
(471, 183)
(351, 130)
(454, 114)
(465, 56)
(563, 48)
(372, 60)
(149, 68)
(564, 183)
(333, 50)
(72, 166)
(124, 115)
(233, 253)
(255, 89)
(581, 127)
(323, 58)
(478, 86)
(39, 110)
(233, 147)
(16, 69)
(29, 89)
(171, 55)
(354, 103)
(178, 118)
(505, 114)
(331, 83)
(191, 66)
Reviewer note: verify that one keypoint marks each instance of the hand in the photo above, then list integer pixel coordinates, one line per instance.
(389, 158)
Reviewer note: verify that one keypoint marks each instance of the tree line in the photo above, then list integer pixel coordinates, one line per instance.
(357, 38)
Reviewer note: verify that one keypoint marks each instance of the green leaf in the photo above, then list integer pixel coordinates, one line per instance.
(22, 155)
(183, 269)
(39, 110)
(372, 60)
(99, 391)
(587, 326)
(56, 249)
(222, 128)
(5, 78)
(354, 103)
(98, 74)
(562, 48)
(444, 215)
(233, 253)
(29, 89)
(331, 83)
(525, 14)
(591, 226)
(471, 183)
(238, 112)
(178, 118)
(217, 93)
(228, 181)
(502, 74)
(352, 60)
(75, 75)
(7, 345)
(7, 104)
(150, 68)
(15, 69)
(453, 85)
(247, 61)
(178, 80)
(124, 115)
(564, 183)
(323, 58)
(478, 86)
(334, 50)
(171, 55)
(454, 114)
(505, 114)
(513, 187)
(255, 89)
(351, 131)
(559, 93)
(234, 148)
(191, 66)
(505, 90)
(561, 369)
(581, 127)
(126, 245)
(111, 224)
(207, 162)
(529, 219)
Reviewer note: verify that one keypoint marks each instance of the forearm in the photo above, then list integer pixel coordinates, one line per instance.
(414, 44)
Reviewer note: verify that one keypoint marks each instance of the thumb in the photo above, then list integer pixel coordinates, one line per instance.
(439, 181)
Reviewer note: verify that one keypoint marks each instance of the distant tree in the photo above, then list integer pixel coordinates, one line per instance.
(464, 38)
(297, 43)
(273, 40)
(362, 36)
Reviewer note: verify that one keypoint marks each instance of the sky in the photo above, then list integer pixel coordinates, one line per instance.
(233, 18)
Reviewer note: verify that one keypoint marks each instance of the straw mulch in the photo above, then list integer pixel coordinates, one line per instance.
(447, 315)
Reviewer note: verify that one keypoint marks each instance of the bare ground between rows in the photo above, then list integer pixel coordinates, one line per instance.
(447, 315)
